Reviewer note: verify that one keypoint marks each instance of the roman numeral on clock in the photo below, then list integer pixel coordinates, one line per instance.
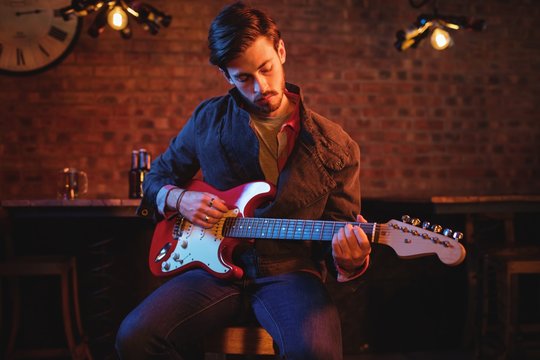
(57, 33)
(43, 50)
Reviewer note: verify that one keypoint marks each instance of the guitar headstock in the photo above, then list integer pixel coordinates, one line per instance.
(413, 238)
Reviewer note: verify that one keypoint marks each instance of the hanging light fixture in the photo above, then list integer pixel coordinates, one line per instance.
(117, 18)
(438, 25)
(117, 15)
(441, 39)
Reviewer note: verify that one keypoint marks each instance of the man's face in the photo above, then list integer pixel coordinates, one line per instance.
(258, 75)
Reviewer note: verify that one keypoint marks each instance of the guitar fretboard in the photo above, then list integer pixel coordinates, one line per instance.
(290, 229)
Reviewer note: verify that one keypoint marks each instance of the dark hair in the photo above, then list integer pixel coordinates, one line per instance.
(235, 28)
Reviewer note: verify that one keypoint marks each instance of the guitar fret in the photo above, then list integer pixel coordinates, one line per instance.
(275, 229)
(244, 228)
(251, 228)
(312, 227)
(290, 229)
(255, 225)
(297, 230)
(317, 233)
(264, 230)
(269, 228)
(260, 228)
(284, 229)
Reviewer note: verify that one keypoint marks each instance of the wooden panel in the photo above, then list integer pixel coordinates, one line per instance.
(240, 340)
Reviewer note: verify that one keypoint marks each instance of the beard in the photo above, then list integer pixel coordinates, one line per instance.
(266, 107)
(269, 101)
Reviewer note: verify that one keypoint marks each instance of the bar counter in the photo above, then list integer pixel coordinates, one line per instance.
(110, 243)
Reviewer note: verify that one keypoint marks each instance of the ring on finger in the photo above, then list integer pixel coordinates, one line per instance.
(211, 203)
(206, 218)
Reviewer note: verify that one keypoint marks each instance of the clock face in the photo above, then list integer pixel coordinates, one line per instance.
(34, 35)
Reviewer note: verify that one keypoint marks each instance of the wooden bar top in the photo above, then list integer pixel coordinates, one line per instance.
(77, 208)
(484, 198)
(69, 203)
(486, 204)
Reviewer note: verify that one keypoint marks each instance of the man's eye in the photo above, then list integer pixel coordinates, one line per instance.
(242, 78)
(266, 70)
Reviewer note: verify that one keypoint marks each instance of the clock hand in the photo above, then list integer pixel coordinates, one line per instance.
(29, 12)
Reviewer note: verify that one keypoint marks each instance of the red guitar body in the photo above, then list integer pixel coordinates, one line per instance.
(177, 245)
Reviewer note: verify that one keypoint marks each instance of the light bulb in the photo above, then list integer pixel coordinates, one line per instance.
(117, 18)
(440, 39)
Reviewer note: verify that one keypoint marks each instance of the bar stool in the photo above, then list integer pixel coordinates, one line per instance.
(13, 268)
(240, 340)
(65, 268)
(501, 300)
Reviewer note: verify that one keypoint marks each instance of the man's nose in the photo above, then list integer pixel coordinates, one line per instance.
(260, 85)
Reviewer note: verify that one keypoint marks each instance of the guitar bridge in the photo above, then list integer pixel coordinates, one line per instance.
(177, 228)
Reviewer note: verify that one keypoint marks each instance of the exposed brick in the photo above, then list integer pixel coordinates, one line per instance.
(461, 121)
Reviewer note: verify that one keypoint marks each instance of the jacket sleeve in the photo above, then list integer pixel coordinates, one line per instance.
(344, 204)
(176, 166)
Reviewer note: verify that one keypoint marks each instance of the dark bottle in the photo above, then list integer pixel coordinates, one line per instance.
(134, 176)
(144, 160)
(144, 167)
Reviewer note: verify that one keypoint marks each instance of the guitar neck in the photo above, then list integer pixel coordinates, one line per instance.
(291, 229)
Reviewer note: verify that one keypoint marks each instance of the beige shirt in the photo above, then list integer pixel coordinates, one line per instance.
(272, 143)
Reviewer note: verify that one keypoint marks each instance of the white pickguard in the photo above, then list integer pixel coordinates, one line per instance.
(196, 244)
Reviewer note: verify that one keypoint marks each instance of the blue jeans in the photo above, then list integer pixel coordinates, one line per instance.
(295, 308)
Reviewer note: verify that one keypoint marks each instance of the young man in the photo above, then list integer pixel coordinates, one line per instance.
(261, 130)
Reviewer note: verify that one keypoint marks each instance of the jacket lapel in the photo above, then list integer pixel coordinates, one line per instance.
(240, 142)
(307, 176)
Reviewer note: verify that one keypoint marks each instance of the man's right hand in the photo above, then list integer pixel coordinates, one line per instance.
(200, 208)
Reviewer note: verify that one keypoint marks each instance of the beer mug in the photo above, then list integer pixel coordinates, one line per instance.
(72, 183)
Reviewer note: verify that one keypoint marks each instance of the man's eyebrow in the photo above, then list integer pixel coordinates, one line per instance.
(264, 64)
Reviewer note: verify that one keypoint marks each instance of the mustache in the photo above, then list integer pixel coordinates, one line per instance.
(265, 94)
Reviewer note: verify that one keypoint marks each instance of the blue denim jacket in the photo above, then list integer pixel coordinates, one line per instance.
(319, 181)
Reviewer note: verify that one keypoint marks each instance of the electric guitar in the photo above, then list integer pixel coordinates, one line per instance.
(178, 245)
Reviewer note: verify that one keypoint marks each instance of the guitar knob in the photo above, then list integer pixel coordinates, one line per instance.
(406, 218)
(436, 228)
(458, 236)
(415, 221)
(447, 232)
(426, 225)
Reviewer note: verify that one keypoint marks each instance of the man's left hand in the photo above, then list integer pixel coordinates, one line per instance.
(351, 247)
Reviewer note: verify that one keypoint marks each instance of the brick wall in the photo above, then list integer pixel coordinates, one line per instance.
(462, 121)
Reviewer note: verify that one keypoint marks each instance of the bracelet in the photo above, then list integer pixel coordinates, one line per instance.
(167, 197)
(179, 200)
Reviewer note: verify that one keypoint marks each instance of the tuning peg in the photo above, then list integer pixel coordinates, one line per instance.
(436, 228)
(426, 225)
(415, 221)
(447, 232)
(458, 236)
(406, 218)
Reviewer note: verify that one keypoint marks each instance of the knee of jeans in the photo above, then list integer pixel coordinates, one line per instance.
(128, 338)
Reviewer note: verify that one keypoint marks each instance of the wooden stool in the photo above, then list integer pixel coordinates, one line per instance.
(240, 340)
(502, 294)
(65, 268)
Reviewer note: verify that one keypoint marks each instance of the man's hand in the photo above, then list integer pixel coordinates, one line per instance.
(350, 247)
(201, 208)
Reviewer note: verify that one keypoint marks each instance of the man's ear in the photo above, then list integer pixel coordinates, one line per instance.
(282, 53)
(226, 75)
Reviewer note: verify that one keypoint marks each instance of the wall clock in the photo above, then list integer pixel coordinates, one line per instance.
(34, 36)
